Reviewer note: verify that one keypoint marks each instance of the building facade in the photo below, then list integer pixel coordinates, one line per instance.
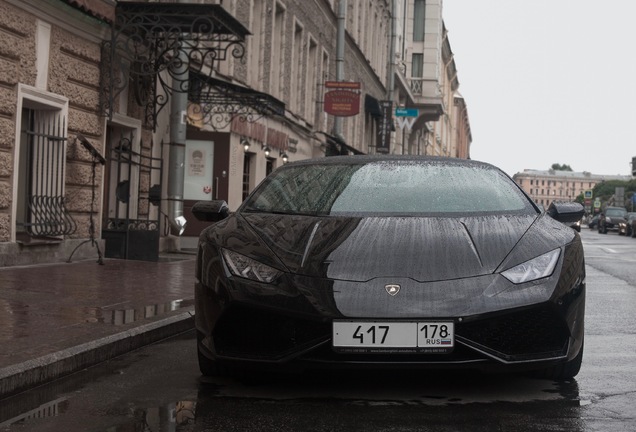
(118, 116)
(547, 186)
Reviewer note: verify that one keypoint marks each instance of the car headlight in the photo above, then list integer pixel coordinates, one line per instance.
(536, 268)
(247, 268)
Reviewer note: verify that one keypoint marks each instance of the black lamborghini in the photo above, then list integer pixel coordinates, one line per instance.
(390, 261)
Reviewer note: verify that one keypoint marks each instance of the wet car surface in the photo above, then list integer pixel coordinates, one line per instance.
(357, 262)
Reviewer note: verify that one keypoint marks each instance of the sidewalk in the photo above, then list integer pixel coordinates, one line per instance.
(56, 319)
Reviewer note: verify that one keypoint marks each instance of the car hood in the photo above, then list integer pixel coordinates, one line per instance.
(362, 248)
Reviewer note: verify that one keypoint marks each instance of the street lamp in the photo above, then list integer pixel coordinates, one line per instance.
(246, 144)
(266, 149)
(284, 156)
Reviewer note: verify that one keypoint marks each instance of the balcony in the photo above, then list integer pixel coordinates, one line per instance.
(427, 97)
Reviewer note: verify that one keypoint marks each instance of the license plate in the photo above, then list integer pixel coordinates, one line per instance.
(422, 336)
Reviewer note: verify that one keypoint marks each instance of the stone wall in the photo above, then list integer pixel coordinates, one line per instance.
(17, 65)
(73, 72)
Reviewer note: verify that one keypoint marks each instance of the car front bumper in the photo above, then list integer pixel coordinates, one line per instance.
(497, 324)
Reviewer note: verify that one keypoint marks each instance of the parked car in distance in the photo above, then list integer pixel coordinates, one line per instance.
(626, 228)
(593, 223)
(389, 262)
(611, 218)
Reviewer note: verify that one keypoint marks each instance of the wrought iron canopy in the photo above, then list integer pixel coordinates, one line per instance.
(154, 46)
(218, 102)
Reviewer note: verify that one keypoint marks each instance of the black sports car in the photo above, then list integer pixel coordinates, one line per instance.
(358, 261)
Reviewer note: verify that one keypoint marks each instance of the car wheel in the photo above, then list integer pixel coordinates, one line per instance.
(633, 233)
(564, 371)
(207, 366)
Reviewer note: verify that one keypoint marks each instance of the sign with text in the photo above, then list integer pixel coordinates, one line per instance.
(384, 127)
(342, 99)
(406, 117)
(407, 112)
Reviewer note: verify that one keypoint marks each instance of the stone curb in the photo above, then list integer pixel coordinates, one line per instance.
(31, 373)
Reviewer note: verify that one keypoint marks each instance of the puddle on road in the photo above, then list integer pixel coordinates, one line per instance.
(129, 315)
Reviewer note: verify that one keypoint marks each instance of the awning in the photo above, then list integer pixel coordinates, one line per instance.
(148, 36)
(336, 147)
(372, 106)
(224, 97)
(100, 9)
(180, 18)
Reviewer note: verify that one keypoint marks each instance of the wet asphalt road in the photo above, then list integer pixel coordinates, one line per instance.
(158, 388)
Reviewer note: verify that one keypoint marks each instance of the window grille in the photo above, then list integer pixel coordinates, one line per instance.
(43, 157)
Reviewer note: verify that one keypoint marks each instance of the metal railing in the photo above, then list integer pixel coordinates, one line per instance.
(46, 213)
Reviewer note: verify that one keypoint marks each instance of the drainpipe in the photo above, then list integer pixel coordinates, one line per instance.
(391, 83)
(340, 50)
(176, 168)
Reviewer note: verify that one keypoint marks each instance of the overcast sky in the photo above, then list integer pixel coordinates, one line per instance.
(548, 81)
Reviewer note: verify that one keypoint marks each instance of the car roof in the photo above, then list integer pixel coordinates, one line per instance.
(365, 159)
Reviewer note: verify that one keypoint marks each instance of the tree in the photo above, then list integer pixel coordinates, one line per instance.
(559, 167)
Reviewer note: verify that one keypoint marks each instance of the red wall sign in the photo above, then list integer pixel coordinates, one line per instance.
(343, 99)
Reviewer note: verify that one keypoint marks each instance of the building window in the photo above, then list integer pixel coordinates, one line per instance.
(246, 174)
(417, 66)
(419, 19)
(255, 69)
(41, 207)
(277, 51)
(311, 82)
(269, 166)
(297, 83)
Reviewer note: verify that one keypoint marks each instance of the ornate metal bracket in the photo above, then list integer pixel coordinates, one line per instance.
(154, 45)
(218, 102)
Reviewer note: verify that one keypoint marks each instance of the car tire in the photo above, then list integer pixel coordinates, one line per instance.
(563, 371)
(633, 233)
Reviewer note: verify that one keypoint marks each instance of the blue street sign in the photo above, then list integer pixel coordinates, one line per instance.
(407, 112)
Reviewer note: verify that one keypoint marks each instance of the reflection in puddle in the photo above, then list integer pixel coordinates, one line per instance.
(170, 417)
(126, 316)
(18, 319)
(49, 409)
(155, 419)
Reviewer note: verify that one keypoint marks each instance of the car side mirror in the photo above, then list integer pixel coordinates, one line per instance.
(210, 211)
(566, 212)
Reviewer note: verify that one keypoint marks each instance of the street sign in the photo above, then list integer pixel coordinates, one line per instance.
(407, 112)
(588, 194)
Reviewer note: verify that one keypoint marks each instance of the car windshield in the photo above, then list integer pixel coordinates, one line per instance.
(388, 188)
(616, 212)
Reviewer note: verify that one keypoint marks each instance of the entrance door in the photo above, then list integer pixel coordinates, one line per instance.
(199, 173)
(198, 180)
(131, 197)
